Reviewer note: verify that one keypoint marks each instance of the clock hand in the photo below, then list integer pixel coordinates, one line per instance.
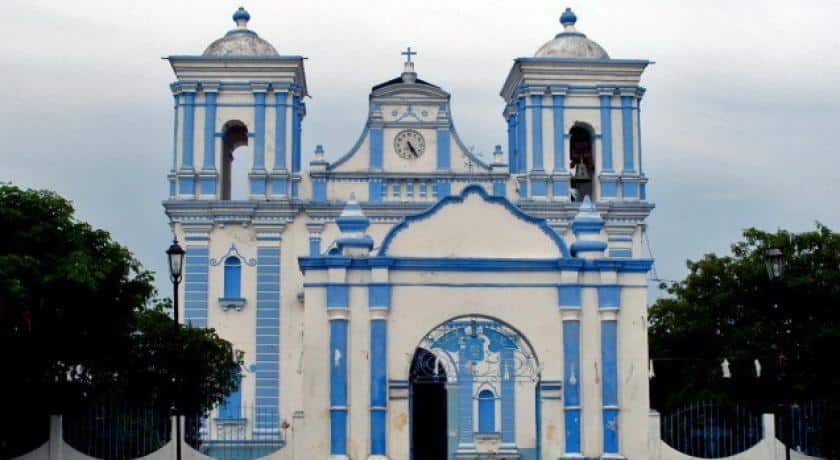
(411, 147)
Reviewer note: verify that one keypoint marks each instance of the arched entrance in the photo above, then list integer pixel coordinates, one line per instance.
(427, 387)
(467, 378)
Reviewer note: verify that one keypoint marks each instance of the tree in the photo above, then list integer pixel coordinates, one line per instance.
(727, 308)
(75, 327)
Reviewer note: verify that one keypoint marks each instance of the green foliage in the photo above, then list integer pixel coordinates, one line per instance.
(74, 322)
(728, 308)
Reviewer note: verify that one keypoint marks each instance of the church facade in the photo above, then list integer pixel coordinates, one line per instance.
(410, 300)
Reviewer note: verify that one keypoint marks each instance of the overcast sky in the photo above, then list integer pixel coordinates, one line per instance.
(740, 120)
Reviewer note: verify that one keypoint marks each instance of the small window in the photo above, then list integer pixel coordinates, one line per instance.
(486, 412)
(423, 190)
(233, 278)
(397, 192)
(409, 189)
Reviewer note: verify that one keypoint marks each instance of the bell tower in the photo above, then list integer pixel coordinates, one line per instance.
(572, 117)
(238, 92)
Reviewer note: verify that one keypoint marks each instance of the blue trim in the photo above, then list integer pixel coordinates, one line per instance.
(443, 155)
(195, 286)
(499, 188)
(630, 189)
(207, 185)
(209, 131)
(443, 188)
(609, 389)
(314, 245)
(539, 187)
(476, 265)
(536, 134)
(297, 119)
(508, 404)
(569, 296)
(512, 144)
(337, 296)
(279, 186)
(486, 411)
(378, 385)
(609, 296)
(609, 188)
(188, 131)
(523, 187)
(257, 185)
(379, 295)
(559, 138)
(267, 334)
(465, 400)
(259, 131)
(376, 149)
(280, 130)
(561, 187)
(375, 190)
(571, 389)
(627, 131)
(621, 252)
(319, 189)
(606, 134)
(186, 186)
(337, 362)
(453, 199)
(231, 407)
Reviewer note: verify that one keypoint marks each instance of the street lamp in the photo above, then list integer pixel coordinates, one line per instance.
(775, 262)
(176, 254)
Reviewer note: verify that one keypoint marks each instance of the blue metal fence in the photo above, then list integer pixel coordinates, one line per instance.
(710, 430)
(800, 426)
(243, 437)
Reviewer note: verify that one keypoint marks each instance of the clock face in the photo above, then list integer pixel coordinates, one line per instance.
(409, 144)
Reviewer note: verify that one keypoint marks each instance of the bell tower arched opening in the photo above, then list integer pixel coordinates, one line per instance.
(234, 175)
(581, 162)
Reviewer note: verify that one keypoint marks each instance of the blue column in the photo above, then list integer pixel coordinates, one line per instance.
(511, 129)
(375, 190)
(606, 133)
(297, 118)
(319, 189)
(465, 406)
(627, 131)
(499, 188)
(571, 389)
(280, 131)
(521, 152)
(559, 133)
(259, 130)
(376, 147)
(267, 374)
(508, 387)
(378, 385)
(639, 133)
(315, 245)
(443, 156)
(338, 385)
(443, 187)
(536, 133)
(609, 387)
(210, 130)
(175, 136)
(188, 131)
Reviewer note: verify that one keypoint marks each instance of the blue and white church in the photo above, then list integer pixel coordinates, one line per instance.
(409, 300)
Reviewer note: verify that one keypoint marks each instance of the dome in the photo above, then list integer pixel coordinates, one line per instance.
(570, 43)
(240, 41)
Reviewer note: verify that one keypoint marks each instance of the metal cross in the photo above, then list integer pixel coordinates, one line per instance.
(408, 53)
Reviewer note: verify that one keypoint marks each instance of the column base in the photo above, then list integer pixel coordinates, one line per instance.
(338, 457)
(378, 457)
(612, 457)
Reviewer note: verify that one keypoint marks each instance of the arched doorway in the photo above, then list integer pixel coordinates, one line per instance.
(427, 386)
(467, 378)
(234, 174)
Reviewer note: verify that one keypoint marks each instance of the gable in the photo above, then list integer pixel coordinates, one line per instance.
(474, 225)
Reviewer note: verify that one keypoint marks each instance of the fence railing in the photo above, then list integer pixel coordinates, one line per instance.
(115, 431)
(710, 430)
(256, 432)
(800, 426)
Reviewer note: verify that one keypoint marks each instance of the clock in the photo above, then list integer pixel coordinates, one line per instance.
(409, 144)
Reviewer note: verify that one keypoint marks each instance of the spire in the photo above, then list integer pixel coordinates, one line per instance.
(241, 18)
(409, 75)
(587, 226)
(353, 223)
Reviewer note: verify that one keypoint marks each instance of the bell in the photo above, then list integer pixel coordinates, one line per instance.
(581, 172)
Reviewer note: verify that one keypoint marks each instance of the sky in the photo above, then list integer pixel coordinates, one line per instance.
(739, 120)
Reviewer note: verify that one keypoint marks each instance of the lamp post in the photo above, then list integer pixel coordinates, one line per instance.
(176, 254)
(775, 263)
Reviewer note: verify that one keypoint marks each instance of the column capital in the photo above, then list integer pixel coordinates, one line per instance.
(338, 314)
(259, 87)
(210, 86)
(608, 314)
(315, 228)
(378, 313)
(569, 314)
(558, 90)
(606, 91)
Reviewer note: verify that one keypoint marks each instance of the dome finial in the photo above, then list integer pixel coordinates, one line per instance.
(241, 18)
(568, 18)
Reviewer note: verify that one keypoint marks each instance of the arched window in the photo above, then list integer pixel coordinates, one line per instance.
(231, 407)
(233, 278)
(234, 178)
(582, 162)
(486, 412)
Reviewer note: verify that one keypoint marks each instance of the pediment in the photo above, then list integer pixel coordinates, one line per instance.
(474, 225)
